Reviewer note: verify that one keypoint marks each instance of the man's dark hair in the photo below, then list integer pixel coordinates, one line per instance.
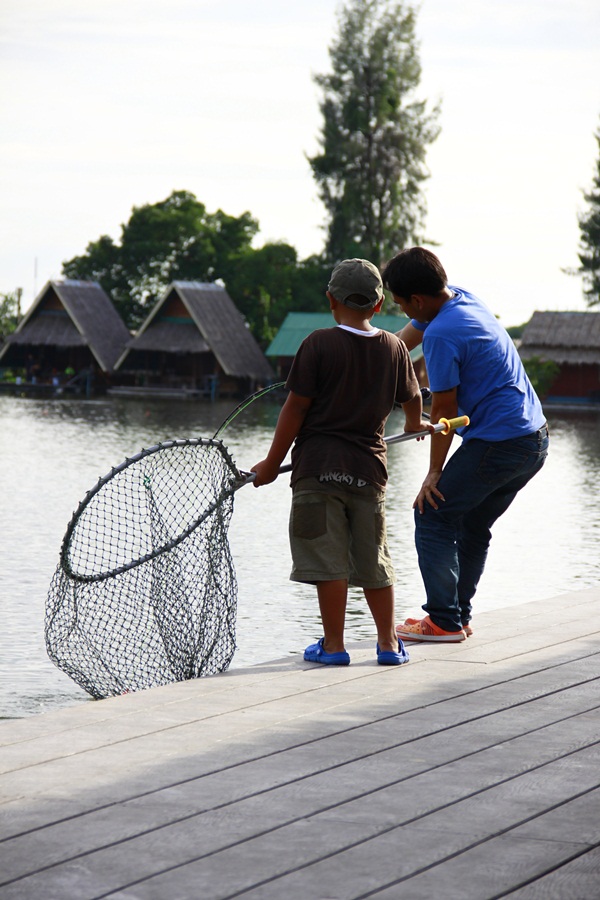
(414, 271)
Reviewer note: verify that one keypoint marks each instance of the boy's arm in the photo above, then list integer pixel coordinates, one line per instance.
(411, 336)
(444, 404)
(413, 412)
(289, 423)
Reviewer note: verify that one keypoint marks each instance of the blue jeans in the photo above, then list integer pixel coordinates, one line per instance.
(479, 482)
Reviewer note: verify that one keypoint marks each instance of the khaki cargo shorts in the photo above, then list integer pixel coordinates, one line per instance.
(337, 531)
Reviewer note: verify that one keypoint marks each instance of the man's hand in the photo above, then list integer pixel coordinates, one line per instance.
(444, 404)
(429, 492)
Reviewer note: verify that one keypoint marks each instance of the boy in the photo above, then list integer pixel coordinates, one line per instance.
(343, 384)
(473, 368)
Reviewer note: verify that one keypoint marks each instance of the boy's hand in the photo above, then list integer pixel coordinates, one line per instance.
(423, 425)
(266, 472)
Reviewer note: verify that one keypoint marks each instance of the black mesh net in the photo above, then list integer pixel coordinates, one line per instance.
(145, 592)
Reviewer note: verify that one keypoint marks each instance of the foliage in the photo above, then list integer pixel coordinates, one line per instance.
(375, 133)
(175, 239)
(310, 285)
(269, 282)
(516, 331)
(541, 373)
(589, 226)
(260, 286)
(10, 311)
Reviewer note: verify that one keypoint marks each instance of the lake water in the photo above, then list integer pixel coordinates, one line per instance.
(52, 452)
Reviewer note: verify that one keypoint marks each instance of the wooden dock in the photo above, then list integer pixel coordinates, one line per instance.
(470, 773)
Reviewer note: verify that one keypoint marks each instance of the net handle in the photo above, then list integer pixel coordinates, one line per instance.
(444, 426)
(245, 403)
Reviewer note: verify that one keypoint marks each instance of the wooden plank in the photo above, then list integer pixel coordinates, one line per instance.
(472, 691)
(499, 625)
(107, 722)
(324, 788)
(578, 878)
(544, 865)
(294, 779)
(471, 700)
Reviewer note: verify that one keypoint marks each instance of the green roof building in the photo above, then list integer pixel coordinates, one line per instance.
(298, 325)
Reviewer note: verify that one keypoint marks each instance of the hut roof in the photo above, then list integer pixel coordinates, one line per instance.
(297, 326)
(563, 337)
(84, 316)
(216, 325)
(171, 336)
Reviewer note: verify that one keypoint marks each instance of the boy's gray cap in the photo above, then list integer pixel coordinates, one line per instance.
(356, 276)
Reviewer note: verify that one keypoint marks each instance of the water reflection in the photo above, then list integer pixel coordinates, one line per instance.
(52, 452)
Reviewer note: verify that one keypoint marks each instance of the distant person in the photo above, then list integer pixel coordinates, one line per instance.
(473, 369)
(343, 384)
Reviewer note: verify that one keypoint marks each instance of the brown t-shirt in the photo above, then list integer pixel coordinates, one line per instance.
(354, 381)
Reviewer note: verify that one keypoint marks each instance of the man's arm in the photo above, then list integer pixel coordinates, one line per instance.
(411, 336)
(444, 404)
(289, 423)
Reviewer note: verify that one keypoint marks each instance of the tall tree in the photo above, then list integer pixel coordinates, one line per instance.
(375, 133)
(589, 226)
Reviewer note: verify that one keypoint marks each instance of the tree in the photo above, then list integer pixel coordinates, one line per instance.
(175, 239)
(10, 313)
(516, 331)
(542, 373)
(270, 281)
(261, 287)
(589, 226)
(375, 133)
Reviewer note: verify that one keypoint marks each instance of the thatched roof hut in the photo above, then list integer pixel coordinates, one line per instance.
(572, 341)
(563, 337)
(195, 333)
(70, 324)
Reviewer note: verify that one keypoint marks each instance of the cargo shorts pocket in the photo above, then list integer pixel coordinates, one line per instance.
(309, 520)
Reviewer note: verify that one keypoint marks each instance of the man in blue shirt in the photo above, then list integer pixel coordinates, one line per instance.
(474, 369)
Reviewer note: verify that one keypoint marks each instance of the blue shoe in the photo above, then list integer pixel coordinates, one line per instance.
(315, 653)
(391, 658)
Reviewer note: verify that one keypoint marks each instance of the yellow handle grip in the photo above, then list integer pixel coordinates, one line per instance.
(451, 424)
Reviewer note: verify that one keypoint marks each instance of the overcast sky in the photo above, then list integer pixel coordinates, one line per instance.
(110, 104)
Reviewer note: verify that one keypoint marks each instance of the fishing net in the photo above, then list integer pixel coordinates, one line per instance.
(145, 592)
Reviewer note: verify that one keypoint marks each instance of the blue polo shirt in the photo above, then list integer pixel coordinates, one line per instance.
(466, 348)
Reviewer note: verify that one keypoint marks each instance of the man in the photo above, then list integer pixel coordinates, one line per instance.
(474, 370)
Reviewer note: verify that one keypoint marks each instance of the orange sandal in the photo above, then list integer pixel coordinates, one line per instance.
(426, 630)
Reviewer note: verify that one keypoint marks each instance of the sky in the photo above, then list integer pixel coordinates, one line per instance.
(110, 104)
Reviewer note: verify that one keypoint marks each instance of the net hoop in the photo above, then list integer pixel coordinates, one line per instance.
(228, 490)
